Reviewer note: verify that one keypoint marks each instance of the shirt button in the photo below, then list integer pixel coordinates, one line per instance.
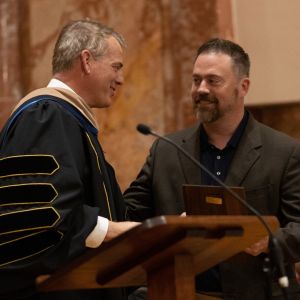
(218, 157)
(218, 173)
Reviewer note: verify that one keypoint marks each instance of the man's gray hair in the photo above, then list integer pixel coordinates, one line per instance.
(78, 36)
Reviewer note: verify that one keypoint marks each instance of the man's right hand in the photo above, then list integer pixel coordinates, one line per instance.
(117, 228)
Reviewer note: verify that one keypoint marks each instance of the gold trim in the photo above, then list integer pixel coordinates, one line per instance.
(26, 174)
(24, 237)
(29, 203)
(33, 228)
(97, 159)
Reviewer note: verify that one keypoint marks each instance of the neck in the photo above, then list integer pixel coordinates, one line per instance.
(70, 79)
(221, 131)
(66, 79)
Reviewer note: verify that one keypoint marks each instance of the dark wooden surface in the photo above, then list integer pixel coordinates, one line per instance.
(162, 245)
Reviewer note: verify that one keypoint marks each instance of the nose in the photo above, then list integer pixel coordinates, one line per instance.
(120, 78)
(202, 87)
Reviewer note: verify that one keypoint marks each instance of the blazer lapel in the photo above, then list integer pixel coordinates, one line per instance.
(191, 144)
(246, 155)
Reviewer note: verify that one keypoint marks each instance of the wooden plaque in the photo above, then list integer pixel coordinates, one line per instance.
(213, 200)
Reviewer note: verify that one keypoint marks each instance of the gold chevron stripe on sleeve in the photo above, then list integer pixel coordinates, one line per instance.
(27, 193)
(27, 246)
(31, 164)
(35, 218)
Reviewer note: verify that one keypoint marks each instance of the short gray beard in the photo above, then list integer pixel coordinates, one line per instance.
(207, 116)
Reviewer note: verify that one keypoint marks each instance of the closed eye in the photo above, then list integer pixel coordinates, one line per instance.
(214, 80)
(196, 80)
(117, 66)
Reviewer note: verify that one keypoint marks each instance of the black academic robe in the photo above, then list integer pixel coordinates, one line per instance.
(54, 183)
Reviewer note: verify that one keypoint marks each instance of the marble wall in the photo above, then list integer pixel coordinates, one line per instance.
(10, 75)
(162, 37)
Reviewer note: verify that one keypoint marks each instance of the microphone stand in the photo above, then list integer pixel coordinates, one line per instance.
(275, 249)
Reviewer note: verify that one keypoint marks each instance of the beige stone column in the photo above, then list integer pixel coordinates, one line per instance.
(10, 78)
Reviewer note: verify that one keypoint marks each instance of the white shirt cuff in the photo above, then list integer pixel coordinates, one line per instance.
(96, 237)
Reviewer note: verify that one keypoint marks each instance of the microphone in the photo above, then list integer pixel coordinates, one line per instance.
(275, 248)
(144, 129)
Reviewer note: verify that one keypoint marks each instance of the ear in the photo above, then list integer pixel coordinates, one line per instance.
(85, 60)
(244, 86)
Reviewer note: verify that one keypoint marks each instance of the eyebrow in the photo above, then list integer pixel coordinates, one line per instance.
(210, 75)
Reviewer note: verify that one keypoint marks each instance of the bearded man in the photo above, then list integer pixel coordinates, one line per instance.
(240, 151)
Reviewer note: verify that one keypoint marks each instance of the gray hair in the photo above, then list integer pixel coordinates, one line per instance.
(77, 36)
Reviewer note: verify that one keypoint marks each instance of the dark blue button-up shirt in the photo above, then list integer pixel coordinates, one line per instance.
(217, 161)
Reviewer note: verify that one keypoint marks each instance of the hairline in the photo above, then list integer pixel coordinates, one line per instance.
(94, 29)
(235, 66)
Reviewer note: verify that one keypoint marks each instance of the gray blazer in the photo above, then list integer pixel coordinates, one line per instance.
(266, 163)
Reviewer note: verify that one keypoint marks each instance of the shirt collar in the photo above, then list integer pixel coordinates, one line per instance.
(55, 83)
(234, 140)
(203, 138)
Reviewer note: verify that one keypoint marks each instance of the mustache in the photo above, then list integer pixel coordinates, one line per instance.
(205, 97)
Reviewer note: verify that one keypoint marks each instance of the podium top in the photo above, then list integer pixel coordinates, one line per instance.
(125, 260)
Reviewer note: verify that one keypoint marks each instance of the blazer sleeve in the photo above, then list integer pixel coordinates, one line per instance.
(138, 197)
(289, 214)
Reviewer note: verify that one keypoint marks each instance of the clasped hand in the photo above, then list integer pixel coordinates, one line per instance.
(259, 247)
(117, 228)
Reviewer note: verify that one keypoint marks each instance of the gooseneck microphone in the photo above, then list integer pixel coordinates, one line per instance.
(275, 248)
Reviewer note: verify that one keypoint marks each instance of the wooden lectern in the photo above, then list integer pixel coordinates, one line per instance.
(165, 253)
